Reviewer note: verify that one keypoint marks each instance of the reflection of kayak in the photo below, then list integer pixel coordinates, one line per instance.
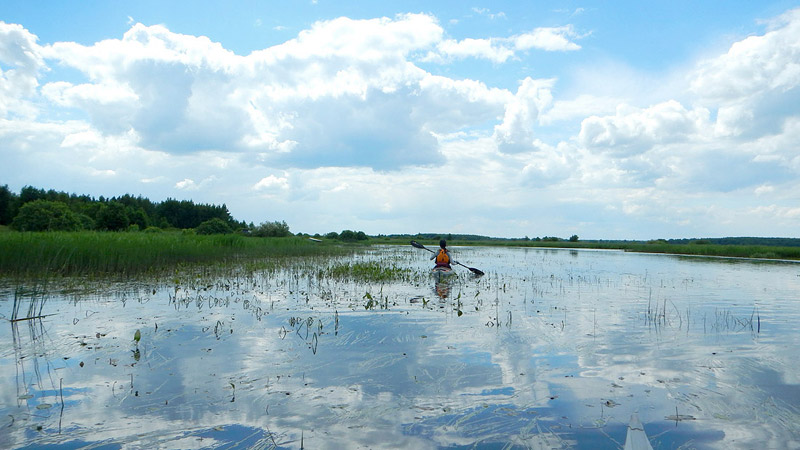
(636, 438)
(442, 273)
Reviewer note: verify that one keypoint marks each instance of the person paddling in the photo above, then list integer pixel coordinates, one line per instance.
(443, 258)
(443, 245)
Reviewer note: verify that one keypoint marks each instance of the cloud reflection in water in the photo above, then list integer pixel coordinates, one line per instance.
(553, 349)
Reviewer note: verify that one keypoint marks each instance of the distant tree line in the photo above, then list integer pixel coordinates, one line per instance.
(769, 241)
(347, 236)
(36, 209)
(39, 210)
(766, 241)
(476, 237)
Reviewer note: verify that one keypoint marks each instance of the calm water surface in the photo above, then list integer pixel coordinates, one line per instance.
(550, 349)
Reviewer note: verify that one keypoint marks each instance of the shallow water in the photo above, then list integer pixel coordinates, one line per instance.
(550, 349)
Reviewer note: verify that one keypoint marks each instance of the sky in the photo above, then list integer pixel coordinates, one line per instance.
(607, 120)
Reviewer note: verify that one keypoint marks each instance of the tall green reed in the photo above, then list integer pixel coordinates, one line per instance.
(102, 253)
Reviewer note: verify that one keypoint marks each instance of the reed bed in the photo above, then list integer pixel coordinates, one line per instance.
(128, 254)
(731, 251)
(373, 271)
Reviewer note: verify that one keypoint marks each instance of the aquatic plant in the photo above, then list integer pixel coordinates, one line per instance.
(373, 271)
(37, 297)
(127, 254)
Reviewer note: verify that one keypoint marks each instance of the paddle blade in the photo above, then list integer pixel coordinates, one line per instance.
(475, 271)
(418, 245)
(471, 269)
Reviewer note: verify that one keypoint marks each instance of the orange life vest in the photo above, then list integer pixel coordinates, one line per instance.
(442, 259)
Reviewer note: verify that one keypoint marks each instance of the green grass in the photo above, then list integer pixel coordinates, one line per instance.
(128, 254)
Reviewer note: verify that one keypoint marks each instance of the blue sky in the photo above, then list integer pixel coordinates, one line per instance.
(610, 120)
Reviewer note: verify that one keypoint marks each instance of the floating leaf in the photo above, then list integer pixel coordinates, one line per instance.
(680, 417)
(44, 406)
(137, 336)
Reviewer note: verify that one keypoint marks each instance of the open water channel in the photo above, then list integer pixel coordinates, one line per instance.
(550, 349)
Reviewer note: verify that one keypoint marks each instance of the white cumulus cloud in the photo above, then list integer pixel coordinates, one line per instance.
(634, 130)
(501, 49)
(550, 39)
(20, 66)
(345, 125)
(756, 84)
(272, 182)
(516, 132)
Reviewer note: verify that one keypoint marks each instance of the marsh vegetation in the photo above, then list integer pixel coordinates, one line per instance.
(91, 253)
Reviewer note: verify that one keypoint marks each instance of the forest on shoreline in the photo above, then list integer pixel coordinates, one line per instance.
(35, 209)
(56, 232)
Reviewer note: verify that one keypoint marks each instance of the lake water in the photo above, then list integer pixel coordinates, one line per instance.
(550, 349)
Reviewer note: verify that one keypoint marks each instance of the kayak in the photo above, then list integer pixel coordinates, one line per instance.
(636, 438)
(442, 273)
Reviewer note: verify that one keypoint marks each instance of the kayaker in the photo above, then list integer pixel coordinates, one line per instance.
(443, 258)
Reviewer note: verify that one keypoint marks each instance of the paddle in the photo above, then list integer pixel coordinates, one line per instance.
(471, 269)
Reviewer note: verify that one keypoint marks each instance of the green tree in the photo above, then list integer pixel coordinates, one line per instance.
(186, 214)
(163, 223)
(272, 229)
(31, 194)
(8, 202)
(87, 223)
(137, 216)
(213, 226)
(45, 215)
(176, 213)
(348, 236)
(573, 238)
(113, 217)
